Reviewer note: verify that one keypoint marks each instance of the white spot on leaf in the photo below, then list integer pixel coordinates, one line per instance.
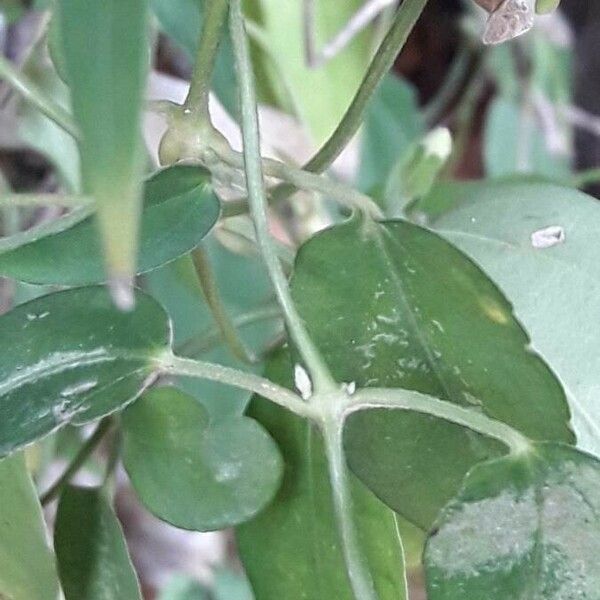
(548, 237)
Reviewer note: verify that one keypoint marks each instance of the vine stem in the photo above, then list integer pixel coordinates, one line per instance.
(68, 201)
(319, 372)
(175, 365)
(198, 95)
(80, 459)
(32, 94)
(210, 289)
(300, 178)
(391, 45)
(358, 574)
(372, 398)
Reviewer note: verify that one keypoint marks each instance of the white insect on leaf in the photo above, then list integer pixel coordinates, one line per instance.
(509, 20)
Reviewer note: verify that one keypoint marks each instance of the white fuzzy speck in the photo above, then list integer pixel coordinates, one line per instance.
(302, 382)
(548, 237)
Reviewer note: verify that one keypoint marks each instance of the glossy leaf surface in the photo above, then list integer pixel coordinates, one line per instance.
(106, 57)
(27, 567)
(93, 561)
(393, 305)
(521, 527)
(293, 549)
(180, 208)
(193, 473)
(538, 242)
(72, 357)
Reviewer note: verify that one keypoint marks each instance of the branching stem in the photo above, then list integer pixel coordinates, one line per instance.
(318, 370)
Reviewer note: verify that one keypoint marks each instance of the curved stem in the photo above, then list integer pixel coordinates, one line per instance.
(80, 458)
(372, 398)
(213, 298)
(174, 365)
(360, 578)
(32, 94)
(214, 20)
(299, 178)
(404, 21)
(257, 199)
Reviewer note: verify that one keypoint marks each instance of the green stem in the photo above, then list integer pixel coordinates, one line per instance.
(372, 398)
(215, 15)
(32, 94)
(185, 367)
(301, 179)
(72, 201)
(404, 21)
(207, 340)
(80, 459)
(360, 578)
(51, 227)
(213, 298)
(257, 198)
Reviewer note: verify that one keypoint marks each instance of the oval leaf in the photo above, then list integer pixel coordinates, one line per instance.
(93, 561)
(27, 568)
(195, 474)
(539, 243)
(72, 358)
(393, 305)
(106, 58)
(293, 548)
(180, 208)
(522, 527)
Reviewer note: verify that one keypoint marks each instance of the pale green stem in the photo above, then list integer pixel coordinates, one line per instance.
(372, 398)
(70, 201)
(207, 340)
(32, 94)
(215, 14)
(51, 227)
(342, 194)
(358, 573)
(213, 298)
(585, 178)
(185, 367)
(391, 45)
(318, 370)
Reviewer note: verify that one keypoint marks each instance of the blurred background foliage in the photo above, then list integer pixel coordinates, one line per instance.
(529, 109)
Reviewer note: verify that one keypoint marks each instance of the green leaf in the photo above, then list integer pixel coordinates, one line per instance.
(393, 122)
(182, 20)
(521, 527)
(27, 569)
(180, 208)
(293, 549)
(105, 49)
(555, 290)
(193, 473)
(72, 357)
(176, 287)
(393, 305)
(93, 561)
